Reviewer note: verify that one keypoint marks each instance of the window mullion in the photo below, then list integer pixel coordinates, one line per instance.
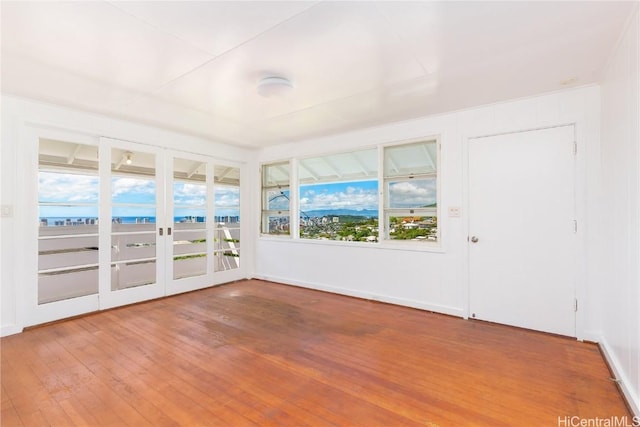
(382, 197)
(294, 200)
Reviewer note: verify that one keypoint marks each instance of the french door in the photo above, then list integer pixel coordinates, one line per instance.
(120, 222)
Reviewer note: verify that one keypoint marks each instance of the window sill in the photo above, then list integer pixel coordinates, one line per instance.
(385, 245)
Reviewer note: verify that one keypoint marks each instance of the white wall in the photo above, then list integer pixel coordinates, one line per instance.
(18, 116)
(437, 280)
(7, 224)
(620, 283)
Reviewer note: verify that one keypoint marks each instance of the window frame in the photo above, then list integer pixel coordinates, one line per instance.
(266, 213)
(386, 212)
(338, 180)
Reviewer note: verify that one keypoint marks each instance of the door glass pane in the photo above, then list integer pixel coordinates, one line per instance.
(68, 194)
(133, 218)
(190, 218)
(227, 210)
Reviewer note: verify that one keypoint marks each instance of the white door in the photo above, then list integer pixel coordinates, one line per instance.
(133, 223)
(65, 261)
(522, 229)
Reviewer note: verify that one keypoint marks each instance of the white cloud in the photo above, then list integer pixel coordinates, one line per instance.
(412, 193)
(190, 194)
(132, 186)
(227, 197)
(350, 198)
(64, 187)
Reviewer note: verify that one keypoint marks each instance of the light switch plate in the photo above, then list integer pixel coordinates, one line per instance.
(454, 211)
(6, 211)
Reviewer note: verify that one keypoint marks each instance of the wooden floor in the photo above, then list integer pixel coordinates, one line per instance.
(258, 353)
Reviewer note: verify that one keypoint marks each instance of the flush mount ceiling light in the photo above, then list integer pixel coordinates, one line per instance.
(273, 86)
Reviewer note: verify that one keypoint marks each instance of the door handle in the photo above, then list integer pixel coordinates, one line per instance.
(160, 231)
(168, 231)
(474, 239)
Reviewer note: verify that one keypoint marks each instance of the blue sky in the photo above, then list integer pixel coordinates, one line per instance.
(364, 195)
(77, 189)
(190, 198)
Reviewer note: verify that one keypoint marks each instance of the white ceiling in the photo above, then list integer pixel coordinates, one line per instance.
(193, 66)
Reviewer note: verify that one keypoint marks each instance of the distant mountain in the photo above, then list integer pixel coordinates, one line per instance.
(369, 213)
(337, 212)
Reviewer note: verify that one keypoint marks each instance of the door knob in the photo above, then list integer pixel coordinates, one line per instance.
(474, 239)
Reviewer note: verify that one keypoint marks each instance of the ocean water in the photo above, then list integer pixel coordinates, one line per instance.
(53, 221)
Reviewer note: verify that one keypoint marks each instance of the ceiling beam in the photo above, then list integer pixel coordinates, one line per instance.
(224, 173)
(74, 153)
(194, 169)
(120, 163)
(360, 163)
(333, 168)
(393, 164)
(284, 171)
(433, 164)
(313, 175)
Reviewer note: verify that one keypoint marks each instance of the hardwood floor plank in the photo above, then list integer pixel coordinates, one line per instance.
(255, 353)
(9, 417)
(226, 363)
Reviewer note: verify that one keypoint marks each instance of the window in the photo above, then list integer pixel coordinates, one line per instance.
(411, 191)
(339, 196)
(275, 199)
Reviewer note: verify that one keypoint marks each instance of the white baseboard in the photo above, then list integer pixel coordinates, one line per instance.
(452, 311)
(591, 336)
(623, 381)
(10, 330)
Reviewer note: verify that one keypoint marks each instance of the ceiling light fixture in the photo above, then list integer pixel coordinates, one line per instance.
(128, 157)
(273, 86)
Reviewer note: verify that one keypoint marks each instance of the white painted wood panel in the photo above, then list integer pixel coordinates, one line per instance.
(619, 286)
